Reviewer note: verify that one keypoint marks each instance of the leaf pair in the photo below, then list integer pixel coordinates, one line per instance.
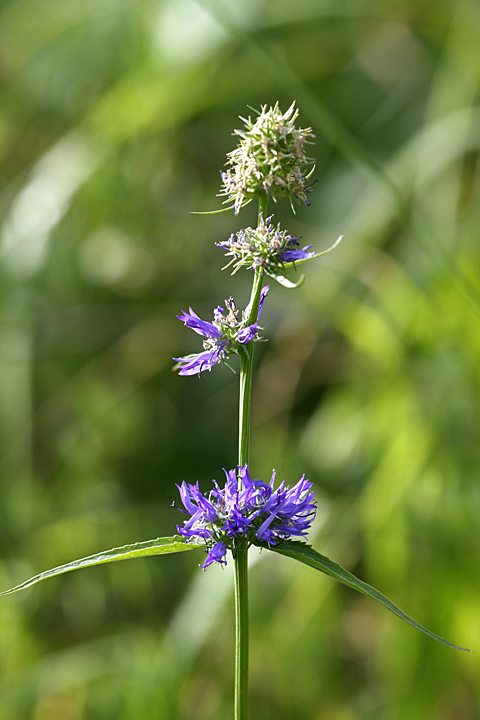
(290, 548)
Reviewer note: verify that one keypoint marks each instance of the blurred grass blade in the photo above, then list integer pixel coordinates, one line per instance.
(159, 546)
(306, 554)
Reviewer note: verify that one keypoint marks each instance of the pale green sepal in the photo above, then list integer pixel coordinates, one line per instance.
(286, 282)
(159, 546)
(306, 554)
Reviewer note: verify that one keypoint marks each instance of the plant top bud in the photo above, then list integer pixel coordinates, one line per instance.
(270, 158)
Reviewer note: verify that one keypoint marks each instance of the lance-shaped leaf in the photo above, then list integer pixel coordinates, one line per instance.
(159, 546)
(306, 554)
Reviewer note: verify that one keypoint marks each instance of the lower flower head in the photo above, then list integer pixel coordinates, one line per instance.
(245, 508)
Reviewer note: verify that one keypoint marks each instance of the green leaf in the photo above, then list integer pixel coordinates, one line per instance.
(306, 554)
(159, 546)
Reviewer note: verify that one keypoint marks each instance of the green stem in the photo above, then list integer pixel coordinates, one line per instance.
(241, 631)
(241, 559)
(246, 359)
(246, 367)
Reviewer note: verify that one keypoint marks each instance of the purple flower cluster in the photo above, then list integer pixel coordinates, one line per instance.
(223, 336)
(265, 247)
(245, 508)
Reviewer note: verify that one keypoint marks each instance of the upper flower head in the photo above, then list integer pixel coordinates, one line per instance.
(246, 508)
(270, 158)
(222, 336)
(266, 246)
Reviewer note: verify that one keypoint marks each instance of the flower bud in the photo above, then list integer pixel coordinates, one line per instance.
(270, 158)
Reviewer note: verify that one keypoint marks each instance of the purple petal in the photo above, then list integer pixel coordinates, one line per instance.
(244, 336)
(245, 477)
(202, 327)
(185, 498)
(218, 313)
(197, 532)
(218, 551)
(288, 256)
(263, 294)
(207, 509)
(195, 364)
(264, 526)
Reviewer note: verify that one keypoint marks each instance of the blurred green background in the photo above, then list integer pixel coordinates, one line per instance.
(115, 118)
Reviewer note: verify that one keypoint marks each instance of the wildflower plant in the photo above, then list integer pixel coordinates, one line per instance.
(269, 163)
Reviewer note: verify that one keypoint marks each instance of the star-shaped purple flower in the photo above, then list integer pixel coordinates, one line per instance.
(246, 508)
(223, 336)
